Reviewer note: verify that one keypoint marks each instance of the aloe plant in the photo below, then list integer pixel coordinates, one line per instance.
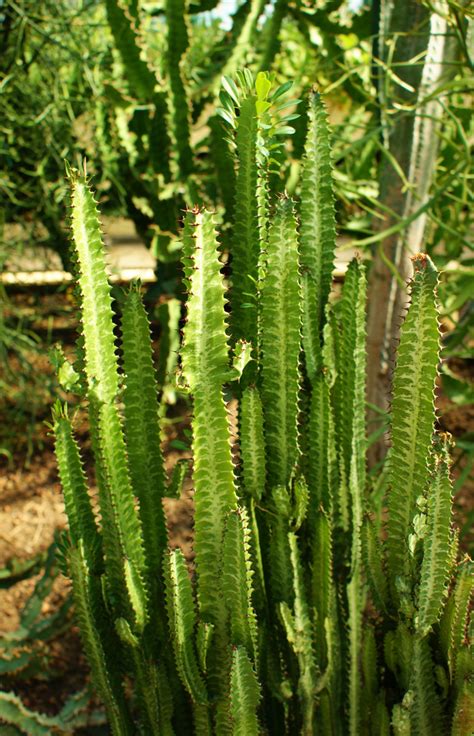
(302, 614)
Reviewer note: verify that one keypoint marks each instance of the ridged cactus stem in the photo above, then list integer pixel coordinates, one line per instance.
(357, 487)
(281, 325)
(206, 368)
(273, 39)
(205, 360)
(245, 241)
(252, 443)
(412, 415)
(141, 421)
(92, 621)
(351, 628)
(178, 42)
(435, 567)
(101, 368)
(299, 632)
(318, 232)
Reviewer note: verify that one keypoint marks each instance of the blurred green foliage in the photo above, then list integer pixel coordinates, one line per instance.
(105, 80)
(132, 86)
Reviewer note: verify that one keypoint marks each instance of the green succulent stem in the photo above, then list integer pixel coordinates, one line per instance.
(303, 607)
(412, 414)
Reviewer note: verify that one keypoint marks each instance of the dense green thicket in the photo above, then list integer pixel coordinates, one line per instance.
(133, 86)
(308, 611)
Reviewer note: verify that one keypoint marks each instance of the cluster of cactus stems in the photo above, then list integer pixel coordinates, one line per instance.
(146, 110)
(309, 610)
(151, 124)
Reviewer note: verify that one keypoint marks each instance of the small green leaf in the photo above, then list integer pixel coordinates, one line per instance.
(178, 475)
(137, 595)
(301, 495)
(68, 377)
(242, 357)
(226, 102)
(231, 88)
(262, 86)
(225, 115)
(284, 130)
(281, 90)
(261, 107)
(125, 633)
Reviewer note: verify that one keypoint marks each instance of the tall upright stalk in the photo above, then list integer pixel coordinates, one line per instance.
(302, 615)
